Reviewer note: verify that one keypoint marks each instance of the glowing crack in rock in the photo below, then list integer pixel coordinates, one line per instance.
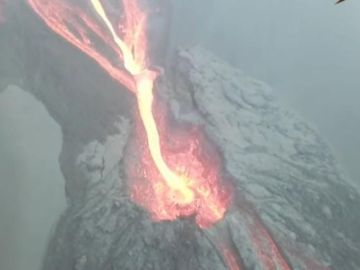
(267, 250)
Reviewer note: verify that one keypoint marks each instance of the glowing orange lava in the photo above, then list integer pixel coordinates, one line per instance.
(60, 15)
(267, 250)
(135, 62)
(230, 259)
(187, 152)
(173, 192)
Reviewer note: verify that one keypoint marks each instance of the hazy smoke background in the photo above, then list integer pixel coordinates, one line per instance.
(31, 183)
(307, 51)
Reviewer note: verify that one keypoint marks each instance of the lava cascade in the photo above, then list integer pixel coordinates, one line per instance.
(168, 182)
(179, 185)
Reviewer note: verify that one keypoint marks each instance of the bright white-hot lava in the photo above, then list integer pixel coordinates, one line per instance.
(144, 81)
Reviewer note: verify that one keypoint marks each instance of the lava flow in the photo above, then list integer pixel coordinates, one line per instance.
(168, 182)
(184, 191)
(182, 187)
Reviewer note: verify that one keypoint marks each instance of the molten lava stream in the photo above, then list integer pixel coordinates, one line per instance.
(268, 253)
(192, 192)
(74, 25)
(144, 81)
(230, 258)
